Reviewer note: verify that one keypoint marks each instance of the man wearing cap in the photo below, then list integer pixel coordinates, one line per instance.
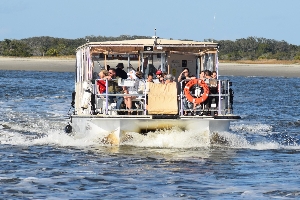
(159, 77)
(158, 74)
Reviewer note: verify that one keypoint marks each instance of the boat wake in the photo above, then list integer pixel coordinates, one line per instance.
(263, 137)
(248, 136)
(170, 138)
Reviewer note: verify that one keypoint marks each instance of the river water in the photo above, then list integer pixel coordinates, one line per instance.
(257, 159)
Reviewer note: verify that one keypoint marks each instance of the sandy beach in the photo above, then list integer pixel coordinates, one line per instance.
(266, 70)
(227, 69)
(37, 64)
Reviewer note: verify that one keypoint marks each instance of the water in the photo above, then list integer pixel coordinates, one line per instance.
(257, 159)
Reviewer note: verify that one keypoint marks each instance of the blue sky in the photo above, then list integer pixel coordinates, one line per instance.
(177, 19)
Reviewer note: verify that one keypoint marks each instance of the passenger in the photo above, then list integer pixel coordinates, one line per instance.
(141, 83)
(214, 75)
(169, 78)
(213, 90)
(161, 80)
(120, 72)
(150, 78)
(160, 77)
(202, 75)
(207, 74)
(103, 76)
(213, 80)
(184, 77)
(130, 90)
(158, 74)
(113, 87)
(141, 89)
(214, 100)
(152, 69)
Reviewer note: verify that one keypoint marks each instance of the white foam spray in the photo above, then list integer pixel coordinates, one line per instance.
(43, 133)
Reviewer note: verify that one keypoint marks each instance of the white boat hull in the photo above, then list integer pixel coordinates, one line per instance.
(112, 129)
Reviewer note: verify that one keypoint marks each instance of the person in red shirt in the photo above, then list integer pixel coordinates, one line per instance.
(103, 75)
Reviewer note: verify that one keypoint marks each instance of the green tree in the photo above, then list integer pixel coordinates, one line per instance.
(15, 48)
(52, 52)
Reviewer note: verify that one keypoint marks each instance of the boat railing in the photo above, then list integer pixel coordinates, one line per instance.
(140, 97)
(219, 103)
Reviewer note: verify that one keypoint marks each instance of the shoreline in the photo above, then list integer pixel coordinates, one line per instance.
(38, 64)
(263, 70)
(225, 69)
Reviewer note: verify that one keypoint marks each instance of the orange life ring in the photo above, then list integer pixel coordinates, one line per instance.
(188, 95)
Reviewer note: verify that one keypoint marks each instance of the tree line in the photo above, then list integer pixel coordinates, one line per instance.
(251, 48)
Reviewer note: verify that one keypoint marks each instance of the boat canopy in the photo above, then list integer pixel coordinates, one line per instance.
(150, 45)
(167, 55)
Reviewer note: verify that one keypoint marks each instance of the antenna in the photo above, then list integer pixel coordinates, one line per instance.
(155, 37)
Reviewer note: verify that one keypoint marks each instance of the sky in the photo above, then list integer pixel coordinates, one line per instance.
(177, 19)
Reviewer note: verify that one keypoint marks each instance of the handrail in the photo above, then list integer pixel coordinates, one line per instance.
(181, 97)
(223, 97)
(118, 95)
(223, 94)
(220, 105)
(106, 98)
(106, 95)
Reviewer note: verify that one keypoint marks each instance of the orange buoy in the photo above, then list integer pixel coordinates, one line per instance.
(196, 100)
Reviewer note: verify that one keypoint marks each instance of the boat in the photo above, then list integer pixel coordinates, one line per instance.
(188, 106)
